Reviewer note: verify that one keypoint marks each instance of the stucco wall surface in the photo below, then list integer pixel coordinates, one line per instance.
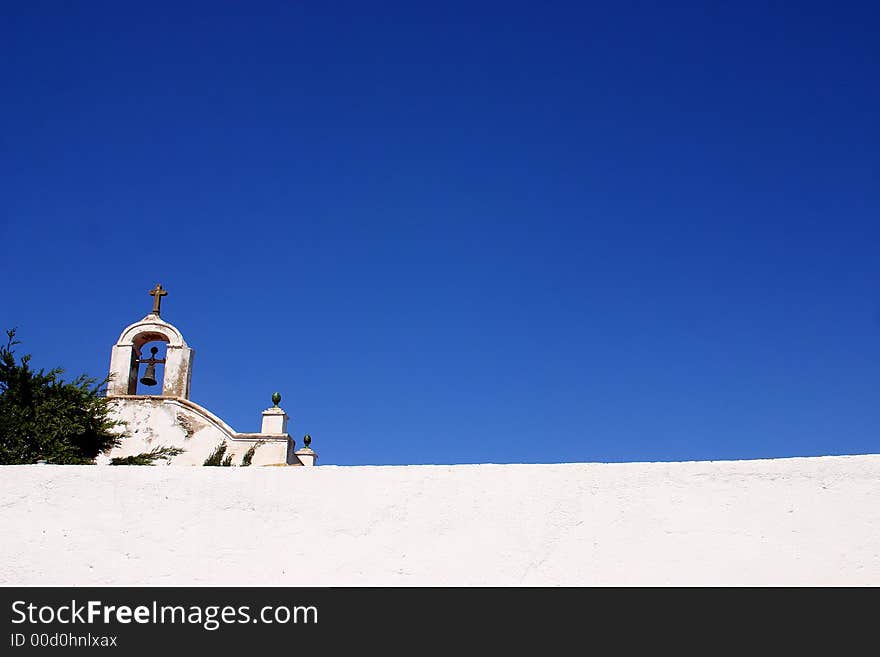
(152, 422)
(799, 521)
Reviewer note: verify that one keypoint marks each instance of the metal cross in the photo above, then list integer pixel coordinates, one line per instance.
(157, 293)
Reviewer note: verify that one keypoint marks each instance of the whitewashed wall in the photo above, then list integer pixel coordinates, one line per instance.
(152, 422)
(795, 521)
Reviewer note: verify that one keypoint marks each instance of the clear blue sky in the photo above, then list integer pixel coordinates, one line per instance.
(462, 232)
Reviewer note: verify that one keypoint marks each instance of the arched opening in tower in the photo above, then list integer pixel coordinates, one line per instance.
(151, 368)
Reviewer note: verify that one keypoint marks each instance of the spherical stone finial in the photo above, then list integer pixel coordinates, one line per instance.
(276, 398)
(307, 440)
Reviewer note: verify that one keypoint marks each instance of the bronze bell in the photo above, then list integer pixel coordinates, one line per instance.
(149, 377)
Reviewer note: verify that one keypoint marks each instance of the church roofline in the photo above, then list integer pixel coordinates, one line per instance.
(207, 416)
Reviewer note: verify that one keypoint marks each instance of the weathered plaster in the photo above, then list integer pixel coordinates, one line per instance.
(156, 421)
(800, 521)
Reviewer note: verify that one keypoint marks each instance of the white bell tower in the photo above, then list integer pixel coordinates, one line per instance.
(125, 357)
(170, 419)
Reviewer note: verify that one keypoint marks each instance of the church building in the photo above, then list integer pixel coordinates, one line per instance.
(150, 396)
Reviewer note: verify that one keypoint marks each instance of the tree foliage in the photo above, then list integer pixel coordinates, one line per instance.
(248, 456)
(147, 458)
(44, 417)
(217, 456)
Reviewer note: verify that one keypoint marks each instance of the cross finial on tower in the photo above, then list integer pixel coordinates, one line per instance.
(157, 293)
